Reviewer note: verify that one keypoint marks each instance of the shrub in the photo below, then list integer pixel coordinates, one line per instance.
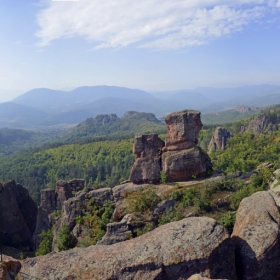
(228, 221)
(64, 240)
(163, 177)
(142, 201)
(45, 246)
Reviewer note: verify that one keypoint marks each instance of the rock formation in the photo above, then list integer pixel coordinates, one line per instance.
(100, 120)
(147, 166)
(262, 123)
(257, 238)
(182, 130)
(9, 270)
(15, 228)
(51, 200)
(25, 203)
(219, 139)
(177, 250)
(245, 109)
(180, 159)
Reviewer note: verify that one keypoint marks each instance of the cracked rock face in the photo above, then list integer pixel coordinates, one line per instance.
(176, 250)
(257, 238)
(147, 166)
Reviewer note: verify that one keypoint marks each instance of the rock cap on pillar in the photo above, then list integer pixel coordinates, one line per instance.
(183, 129)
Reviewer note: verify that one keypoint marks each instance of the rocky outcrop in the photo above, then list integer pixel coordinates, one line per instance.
(100, 120)
(245, 109)
(147, 166)
(186, 164)
(52, 200)
(63, 192)
(77, 185)
(263, 123)
(115, 233)
(9, 270)
(14, 228)
(77, 206)
(44, 219)
(182, 130)
(257, 238)
(25, 203)
(180, 158)
(177, 250)
(219, 139)
(120, 190)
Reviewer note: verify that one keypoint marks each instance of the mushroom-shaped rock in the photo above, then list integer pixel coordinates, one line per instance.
(146, 168)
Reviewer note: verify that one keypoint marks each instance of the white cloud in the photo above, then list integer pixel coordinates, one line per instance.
(156, 24)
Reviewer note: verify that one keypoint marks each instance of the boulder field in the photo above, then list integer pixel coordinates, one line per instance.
(193, 248)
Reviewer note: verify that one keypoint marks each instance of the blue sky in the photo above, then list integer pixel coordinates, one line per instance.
(147, 44)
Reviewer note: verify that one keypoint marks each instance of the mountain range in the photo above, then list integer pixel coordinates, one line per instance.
(43, 108)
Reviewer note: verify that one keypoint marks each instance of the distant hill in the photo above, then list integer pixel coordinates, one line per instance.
(110, 126)
(18, 116)
(46, 108)
(14, 140)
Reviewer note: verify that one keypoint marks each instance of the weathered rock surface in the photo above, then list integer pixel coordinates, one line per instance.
(14, 227)
(120, 190)
(185, 164)
(25, 203)
(219, 139)
(44, 220)
(9, 270)
(116, 232)
(147, 166)
(164, 206)
(183, 129)
(76, 206)
(257, 239)
(262, 123)
(77, 184)
(177, 250)
(199, 277)
(63, 192)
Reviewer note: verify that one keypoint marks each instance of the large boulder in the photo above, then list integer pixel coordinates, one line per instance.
(186, 164)
(183, 129)
(147, 166)
(257, 239)
(219, 139)
(176, 250)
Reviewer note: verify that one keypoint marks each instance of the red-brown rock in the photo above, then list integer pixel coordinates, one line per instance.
(176, 250)
(186, 164)
(257, 238)
(147, 166)
(183, 129)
